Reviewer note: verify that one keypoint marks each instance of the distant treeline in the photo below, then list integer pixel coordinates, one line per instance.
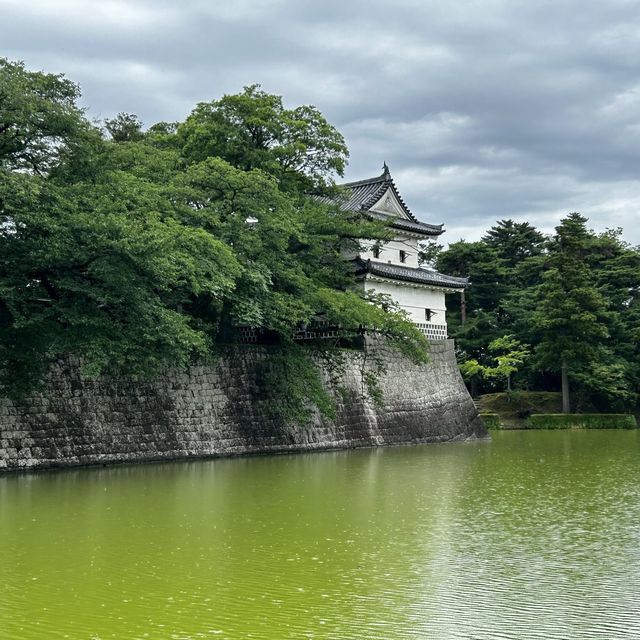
(545, 312)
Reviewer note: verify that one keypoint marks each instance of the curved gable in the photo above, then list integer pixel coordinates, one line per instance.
(389, 204)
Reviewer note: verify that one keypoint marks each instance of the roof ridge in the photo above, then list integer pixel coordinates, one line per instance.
(382, 178)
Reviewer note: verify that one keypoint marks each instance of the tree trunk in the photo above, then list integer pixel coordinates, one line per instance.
(463, 308)
(566, 408)
(509, 382)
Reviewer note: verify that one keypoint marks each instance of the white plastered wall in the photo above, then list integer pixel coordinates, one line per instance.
(390, 251)
(414, 300)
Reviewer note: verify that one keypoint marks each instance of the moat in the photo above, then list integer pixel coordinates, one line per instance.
(529, 535)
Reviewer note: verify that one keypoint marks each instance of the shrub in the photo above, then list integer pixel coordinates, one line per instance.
(491, 420)
(581, 421)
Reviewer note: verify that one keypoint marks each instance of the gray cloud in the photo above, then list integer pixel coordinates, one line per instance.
(483, 109)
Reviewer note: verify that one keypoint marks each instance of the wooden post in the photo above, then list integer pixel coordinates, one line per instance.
(463, 308)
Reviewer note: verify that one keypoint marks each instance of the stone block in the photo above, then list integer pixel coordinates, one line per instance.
(219, 410)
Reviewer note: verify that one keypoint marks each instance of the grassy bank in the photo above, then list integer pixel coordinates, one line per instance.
(542, 410)
(514, 408)
(581, 421)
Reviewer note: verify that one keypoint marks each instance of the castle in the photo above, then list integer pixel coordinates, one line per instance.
(393, 268)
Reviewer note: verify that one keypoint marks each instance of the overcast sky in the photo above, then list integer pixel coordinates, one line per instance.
(483, 109)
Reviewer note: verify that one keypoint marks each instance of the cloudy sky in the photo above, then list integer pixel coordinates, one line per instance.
(483, 109)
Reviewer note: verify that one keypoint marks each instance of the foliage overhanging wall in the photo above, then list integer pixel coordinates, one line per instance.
(222, 410)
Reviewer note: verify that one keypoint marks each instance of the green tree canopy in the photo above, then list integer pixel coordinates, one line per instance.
(483, 266)
(571, 313)
(514, 241)
(125, 127)
(143, 250)
(575, 294)
(38, 118)
(253, 130)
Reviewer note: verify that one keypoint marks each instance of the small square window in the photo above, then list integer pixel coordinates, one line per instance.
(376, 252)
(403, 256)
(428, 314)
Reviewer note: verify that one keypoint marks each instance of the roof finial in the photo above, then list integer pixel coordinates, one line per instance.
(386, 173)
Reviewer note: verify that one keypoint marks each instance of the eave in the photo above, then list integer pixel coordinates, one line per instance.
(409, 275)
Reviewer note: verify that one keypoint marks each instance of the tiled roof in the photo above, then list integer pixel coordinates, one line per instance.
(363, 194)
(409, 274)
(409, 225)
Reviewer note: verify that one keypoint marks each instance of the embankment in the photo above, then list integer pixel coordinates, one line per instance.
(220, 410)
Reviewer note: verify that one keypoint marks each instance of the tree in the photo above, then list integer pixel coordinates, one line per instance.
(125, 127)
(483, 266)
(253, 130)
(94, 261)
(577, 293)
(614, 380)
(514, 242)
(572, 314)
(144, 251)
(429, 253)
(100, 270)
(477, 318)
(291, 255)
(507, 355)
(39, 118)
(249, 158)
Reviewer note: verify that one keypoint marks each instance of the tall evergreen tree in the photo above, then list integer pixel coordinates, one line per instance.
(571, 314)
(514, 242)
(483, 266)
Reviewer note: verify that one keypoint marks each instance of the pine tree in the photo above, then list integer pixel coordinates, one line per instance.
(571, 313)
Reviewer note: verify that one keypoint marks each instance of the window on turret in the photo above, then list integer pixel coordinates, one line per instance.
(403, 256)
(428, 314)
(376, 252)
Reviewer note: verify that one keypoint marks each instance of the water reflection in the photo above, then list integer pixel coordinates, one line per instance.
(532, 535)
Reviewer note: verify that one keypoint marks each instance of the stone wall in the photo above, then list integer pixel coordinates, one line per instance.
(219, 411)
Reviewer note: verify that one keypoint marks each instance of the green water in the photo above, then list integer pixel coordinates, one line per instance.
(531, 535)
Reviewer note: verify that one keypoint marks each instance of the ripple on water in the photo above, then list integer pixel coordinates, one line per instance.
(532, 535)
